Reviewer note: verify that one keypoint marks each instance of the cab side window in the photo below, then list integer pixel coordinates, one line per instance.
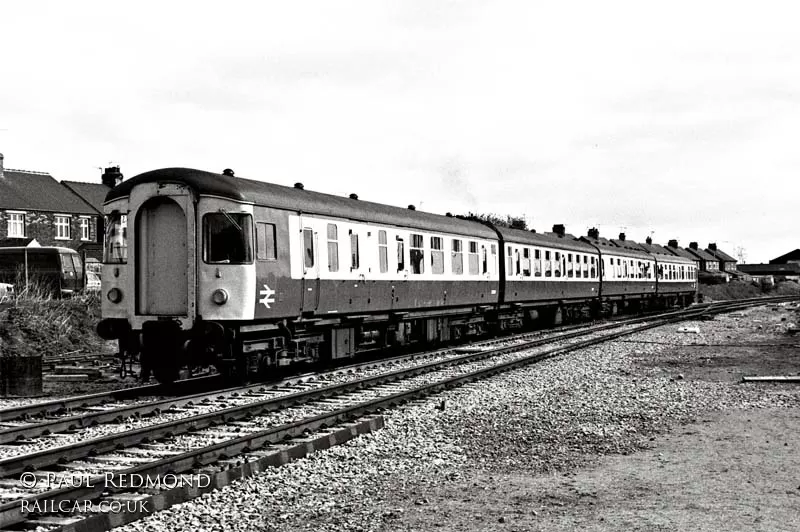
(265, 241)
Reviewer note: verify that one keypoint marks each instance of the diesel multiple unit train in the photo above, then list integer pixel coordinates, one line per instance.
(203, 268)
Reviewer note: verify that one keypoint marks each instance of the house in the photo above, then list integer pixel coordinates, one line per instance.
(33, 205)
(789, 258)
(95, 195)
(672, 247)
(727, 263)
(709, 265)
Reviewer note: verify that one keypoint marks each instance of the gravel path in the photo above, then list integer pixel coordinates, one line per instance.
(549, 419)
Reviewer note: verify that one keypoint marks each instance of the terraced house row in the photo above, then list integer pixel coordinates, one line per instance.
(38, 210)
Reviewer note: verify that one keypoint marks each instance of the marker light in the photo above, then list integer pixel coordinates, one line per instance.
(220, 296)
(114, 295)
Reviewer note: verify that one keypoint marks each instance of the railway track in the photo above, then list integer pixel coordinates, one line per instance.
(20, 424)
(186, 445)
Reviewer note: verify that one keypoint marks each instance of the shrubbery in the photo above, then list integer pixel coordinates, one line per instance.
(743, 290)
(33, 324)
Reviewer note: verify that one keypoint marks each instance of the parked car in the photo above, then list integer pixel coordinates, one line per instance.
(56, 270)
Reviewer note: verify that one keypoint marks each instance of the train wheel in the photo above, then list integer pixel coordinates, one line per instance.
(166, 373)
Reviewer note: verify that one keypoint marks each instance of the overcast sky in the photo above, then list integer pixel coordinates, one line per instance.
(679, 119)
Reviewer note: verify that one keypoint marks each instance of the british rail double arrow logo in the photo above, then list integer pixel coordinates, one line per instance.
(269, 296)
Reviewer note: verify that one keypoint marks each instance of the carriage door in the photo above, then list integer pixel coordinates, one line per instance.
(311, 281)
(161, 259)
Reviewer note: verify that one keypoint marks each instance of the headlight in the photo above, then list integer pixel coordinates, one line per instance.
(220, 296)
(114, 295)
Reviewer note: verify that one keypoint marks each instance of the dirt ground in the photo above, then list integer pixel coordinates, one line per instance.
(726, 470)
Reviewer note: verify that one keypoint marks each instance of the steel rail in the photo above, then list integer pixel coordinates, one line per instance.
(81, 401)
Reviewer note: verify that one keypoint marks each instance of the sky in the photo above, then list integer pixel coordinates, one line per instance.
(676, 120)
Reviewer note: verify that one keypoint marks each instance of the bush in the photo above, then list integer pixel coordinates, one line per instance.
(33, 324)
(744, 290)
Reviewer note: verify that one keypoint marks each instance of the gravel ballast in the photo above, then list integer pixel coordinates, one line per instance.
(549, 419)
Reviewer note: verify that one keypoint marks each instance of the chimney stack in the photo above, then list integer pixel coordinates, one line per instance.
(673, 243)
(594, 233)
(560, 230)
(622, 236)
(648, 241)
(693, 245)
(112, 177)
(712, 247)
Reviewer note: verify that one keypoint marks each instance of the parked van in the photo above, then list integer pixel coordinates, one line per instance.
(56, 269)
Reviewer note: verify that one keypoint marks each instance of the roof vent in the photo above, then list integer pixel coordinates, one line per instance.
(533, 230)
(299, 186)
(353, 196)
(449, 214)
(228, 172)
(412, 208)
(560, 230)
(672, 243)
(594, 233)
(648, 241)
(622, 236)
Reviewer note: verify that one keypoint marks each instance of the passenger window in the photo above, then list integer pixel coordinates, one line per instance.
(557, 264)
(417, 254)
(548, 265)
(265, 241)
(526, 262)
(354, 263)
(308, 245)
(457, 258)
(570, 270)
(510, 262)
(383, 252)
(437, 255)
(473, 258)
(401, 254)
(537, 262)
(485, 260)
(333, 248)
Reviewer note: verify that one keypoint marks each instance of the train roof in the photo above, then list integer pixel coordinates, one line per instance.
(519, 236)
(300, 200)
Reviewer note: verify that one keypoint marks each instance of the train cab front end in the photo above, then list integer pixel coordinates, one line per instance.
(178, 265)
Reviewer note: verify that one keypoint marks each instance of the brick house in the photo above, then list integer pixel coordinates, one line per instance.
(726, 262)
(33, 205)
